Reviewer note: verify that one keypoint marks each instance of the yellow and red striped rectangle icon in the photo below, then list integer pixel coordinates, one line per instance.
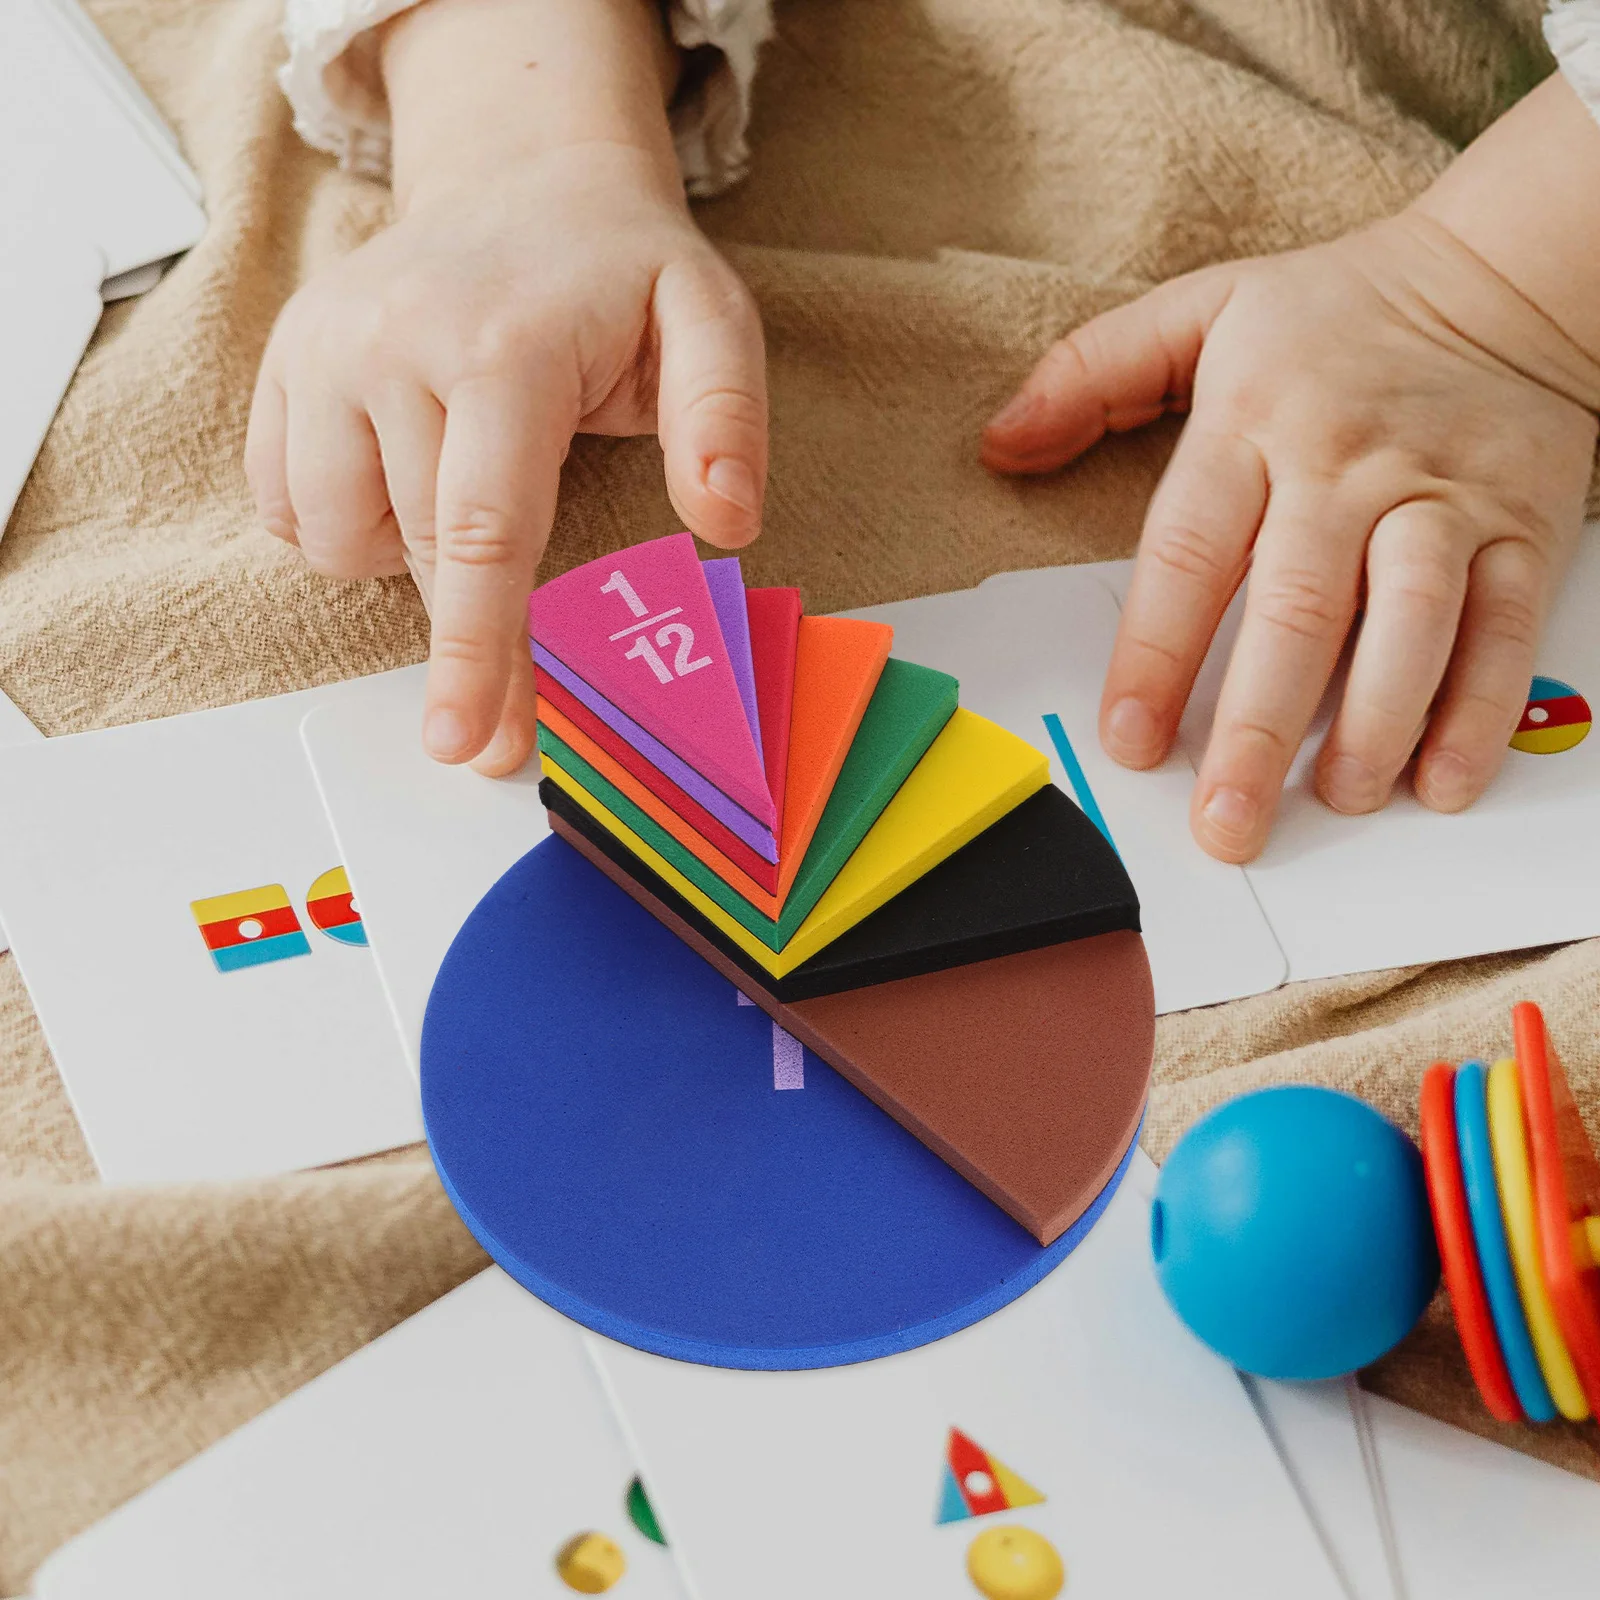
(250, 927)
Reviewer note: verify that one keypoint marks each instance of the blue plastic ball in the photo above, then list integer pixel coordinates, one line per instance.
(1291, 1231)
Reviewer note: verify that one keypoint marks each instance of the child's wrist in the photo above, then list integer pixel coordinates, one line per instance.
(1524, 199)
(1438, 280)
(479, 87)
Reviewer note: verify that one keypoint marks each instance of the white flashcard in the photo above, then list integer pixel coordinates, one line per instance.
(120, 84)
(175, 900)
(1031, 654)
(1475, 1521)
(423, 843)
(1129, 1453)
(81, 165)
(128, 285)
(14, 726)
(96, 193)
(463, 1452)
(1324, 1443)
(14, 729)
(1406, 885)
(1316, 1430)
(49, 308)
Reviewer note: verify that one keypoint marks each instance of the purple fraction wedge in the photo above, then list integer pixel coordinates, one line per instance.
(725, 579)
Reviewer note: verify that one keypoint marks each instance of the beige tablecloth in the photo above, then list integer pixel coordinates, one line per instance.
(940, 187)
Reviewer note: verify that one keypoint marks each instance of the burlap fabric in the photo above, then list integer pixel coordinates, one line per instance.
(940, 187)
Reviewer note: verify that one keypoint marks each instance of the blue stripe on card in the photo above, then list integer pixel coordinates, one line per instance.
(260, 951)
(1077, 778)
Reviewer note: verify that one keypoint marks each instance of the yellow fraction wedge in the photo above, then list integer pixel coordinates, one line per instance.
(972, 775)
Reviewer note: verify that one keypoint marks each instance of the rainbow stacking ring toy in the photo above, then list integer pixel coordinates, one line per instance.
(1515, 1188)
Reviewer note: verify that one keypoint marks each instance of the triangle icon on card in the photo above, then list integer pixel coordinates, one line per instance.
(974, 1483)
(639, 628)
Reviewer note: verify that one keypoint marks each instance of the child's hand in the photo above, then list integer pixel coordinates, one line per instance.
(1387, 430)
(421, 394)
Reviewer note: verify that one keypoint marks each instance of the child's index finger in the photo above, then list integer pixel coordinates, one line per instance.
(499, 473)
(1193, 553)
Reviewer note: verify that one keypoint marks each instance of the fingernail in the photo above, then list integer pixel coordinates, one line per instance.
(1446, 782)
(730, 479)
(1132, 729)
(444, 734)
(1231, 813)
(1014, 412)
(1349, 784)
(498, 759)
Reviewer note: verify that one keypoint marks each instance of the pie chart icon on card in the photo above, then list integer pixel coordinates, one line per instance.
(1555, 719)
(332, 907)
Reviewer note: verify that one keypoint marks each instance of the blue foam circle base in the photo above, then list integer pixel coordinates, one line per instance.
(603, 1114)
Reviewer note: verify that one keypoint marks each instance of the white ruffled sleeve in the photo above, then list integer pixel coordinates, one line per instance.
(1572, 30)
(332, 83)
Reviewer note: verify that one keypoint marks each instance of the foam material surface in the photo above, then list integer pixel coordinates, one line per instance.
(836, 668)
(725, 580)
(1035, 878)
(613, 1136)
(639, 627)
(774, 637)
(756, 834)
(1011, 1016)
(909, 709)
(973, 773)
(629, 799)
(746, 848)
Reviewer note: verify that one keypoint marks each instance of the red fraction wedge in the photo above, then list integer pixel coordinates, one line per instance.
(774, 635)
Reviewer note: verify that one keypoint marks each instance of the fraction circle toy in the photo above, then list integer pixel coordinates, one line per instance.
(1290, 1230)
(660, 1163)
(1453, 1225)
(1566, 1187)
(1494, 1254)
(1555, 719)
(1507, 1136)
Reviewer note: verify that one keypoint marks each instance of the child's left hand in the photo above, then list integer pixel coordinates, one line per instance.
(1393, 441)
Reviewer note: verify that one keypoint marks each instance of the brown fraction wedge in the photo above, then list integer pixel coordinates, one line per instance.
(1027, 1073)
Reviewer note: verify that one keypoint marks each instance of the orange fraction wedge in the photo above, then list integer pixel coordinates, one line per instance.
(837, 664)
(1566, 1191)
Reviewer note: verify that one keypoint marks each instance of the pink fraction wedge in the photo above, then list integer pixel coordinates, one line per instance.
(639, 628)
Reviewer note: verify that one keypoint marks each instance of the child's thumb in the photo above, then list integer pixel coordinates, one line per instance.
(1117, 371)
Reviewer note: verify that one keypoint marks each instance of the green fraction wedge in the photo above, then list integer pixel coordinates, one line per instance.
(907, 712)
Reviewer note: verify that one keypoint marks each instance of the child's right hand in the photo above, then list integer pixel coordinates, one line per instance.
(1392, 434)
(421, 394)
